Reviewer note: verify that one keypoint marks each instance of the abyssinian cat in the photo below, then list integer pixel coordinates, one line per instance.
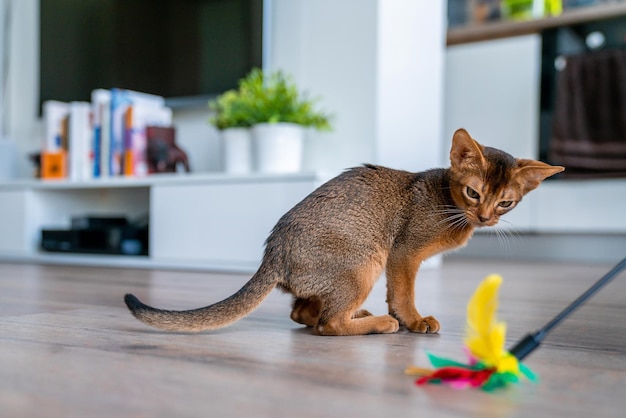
(329, 249)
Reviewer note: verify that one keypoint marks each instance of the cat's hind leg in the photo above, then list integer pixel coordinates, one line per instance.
(346, 324)
(361, 313)
(306, 311)
(341, 313)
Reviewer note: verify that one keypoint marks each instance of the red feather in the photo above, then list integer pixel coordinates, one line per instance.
(474, 378)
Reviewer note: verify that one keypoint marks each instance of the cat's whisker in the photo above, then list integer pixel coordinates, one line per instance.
(449, 215)
(459, 222)
(510, 229)
(502, 238)
(452, 220)
(449, 210)
(505, 234)
(494, 231)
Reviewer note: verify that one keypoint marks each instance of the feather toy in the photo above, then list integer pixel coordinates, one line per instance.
(490, 366)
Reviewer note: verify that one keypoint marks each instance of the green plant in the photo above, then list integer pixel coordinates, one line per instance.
(269, 98)
(230, 110)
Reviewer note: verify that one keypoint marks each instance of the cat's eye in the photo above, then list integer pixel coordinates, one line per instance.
(505, 203)
(471, 193)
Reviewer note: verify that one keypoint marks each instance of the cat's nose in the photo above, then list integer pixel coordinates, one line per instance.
(483, 219)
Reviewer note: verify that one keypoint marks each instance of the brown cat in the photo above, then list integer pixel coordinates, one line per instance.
(332, 246)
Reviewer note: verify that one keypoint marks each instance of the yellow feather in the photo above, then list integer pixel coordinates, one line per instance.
(485, 335)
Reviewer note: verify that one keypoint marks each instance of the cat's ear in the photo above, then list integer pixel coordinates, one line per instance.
(465, 151)
(532, 173)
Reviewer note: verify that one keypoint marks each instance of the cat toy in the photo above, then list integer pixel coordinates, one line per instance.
(490, 366)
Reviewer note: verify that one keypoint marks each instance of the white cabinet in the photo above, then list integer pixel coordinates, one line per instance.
(199, 221)
(13, 221)
(580, 206)
(220, 223)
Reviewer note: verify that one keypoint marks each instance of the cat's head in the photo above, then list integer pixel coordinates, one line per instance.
(486, 183)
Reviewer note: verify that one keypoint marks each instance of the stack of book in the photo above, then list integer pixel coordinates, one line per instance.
(104, 138)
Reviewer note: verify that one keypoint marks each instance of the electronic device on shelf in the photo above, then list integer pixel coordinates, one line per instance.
(98, 235)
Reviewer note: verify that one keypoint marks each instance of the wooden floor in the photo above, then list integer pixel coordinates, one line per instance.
(69, 348)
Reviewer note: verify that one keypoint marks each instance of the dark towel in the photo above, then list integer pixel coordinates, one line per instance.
(589, 125)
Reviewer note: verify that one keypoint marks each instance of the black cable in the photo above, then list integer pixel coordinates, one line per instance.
(531, 341)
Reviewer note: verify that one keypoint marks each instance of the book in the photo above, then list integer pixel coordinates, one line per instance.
(79, 143)
(53, 152)
(101, 143)
(106, 137)
(121, 99)
(54, 112)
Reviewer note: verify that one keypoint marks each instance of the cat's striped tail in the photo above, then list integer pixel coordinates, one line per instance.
(218, 315)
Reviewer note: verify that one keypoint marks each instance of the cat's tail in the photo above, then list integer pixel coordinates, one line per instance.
(218, 315)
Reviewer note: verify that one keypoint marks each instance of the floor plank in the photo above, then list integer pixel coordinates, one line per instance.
(69, 348)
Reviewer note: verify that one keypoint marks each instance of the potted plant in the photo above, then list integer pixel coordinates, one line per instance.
(278, 115)
(231, 117)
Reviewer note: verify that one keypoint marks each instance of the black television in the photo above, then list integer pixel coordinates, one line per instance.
(184, 50)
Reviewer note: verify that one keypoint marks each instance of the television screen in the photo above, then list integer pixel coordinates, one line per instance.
(184, 50)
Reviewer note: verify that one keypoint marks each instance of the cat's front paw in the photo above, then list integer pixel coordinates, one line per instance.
(425, 325)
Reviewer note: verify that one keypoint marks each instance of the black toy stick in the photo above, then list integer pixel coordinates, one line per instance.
(531, 341)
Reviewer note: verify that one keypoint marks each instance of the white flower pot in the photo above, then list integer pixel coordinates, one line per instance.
(278, 147)
(237, 150)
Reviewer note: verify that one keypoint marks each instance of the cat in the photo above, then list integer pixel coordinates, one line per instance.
(329, 249)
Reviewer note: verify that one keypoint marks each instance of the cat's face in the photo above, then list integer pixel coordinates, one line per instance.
(486, 183)
(484, 201)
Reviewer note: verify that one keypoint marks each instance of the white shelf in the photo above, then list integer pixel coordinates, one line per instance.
(200, 221)
(510, 28)
(156, 179)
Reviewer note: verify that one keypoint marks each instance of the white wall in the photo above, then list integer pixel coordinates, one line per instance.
(379, 66)
(492, 90)
(410, 68)
(22, 124)
(199, 139)
(330, 49)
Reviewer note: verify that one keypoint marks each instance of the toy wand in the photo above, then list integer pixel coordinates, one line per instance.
(531, 341)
